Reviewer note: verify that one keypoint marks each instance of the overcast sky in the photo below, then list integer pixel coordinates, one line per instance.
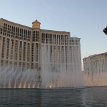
(83, 18)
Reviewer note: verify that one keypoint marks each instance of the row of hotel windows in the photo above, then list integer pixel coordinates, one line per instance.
(53, 38)
(19, 64)
(25, 36)
(20, 33)
(17, 32)
(96, 66)
(23, 50)
(35, 36)
(28, 32)
(49, 39)
(58, 39)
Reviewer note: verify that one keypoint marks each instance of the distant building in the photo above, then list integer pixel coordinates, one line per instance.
(35, 48)
(95, 70)
(95, 63)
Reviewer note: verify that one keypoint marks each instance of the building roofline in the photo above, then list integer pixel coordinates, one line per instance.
(15, 23)
(104, 53)
(55, 31)
(35, 28)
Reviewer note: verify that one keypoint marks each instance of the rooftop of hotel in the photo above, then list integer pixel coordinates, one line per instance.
(31, 27)
(96, 55)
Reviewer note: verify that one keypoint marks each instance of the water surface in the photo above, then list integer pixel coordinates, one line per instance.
(84, 97)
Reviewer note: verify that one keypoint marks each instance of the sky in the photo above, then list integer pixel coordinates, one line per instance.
(84, 19)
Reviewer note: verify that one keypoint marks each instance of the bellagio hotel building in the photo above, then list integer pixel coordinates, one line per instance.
(34, 48)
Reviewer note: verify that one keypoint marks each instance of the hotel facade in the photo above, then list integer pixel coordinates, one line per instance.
(96, 63)
(95, 69)
(35, 48)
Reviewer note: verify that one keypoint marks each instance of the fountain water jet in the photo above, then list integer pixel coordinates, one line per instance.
(27, 78)
(18, 78)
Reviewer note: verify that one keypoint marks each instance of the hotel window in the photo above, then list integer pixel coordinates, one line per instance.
(5, 29)
(12, 32)
(33, 37)
(24, 51)
(43, 37)
(10, 27)
(29, 34)
(16, 50)
(20, 50)
(21, 34)
(37, 52)
(24, 34)
(72, 42)
(3, 47)
(16, 32)
(59, 39)
(76, 42)
(46, 38)
(66, 41)
(53, 38)
(50, 38)
(5, 26)
(28, 52)
(37, 36)
(11, 54)
(32, 52)
(20, 44)
(7, 52)
(14, 29)
(0, 30)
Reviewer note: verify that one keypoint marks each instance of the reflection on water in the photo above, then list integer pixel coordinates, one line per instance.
(86, 97)
(95, 97)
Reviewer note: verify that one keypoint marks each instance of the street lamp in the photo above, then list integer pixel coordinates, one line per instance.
(105, 30)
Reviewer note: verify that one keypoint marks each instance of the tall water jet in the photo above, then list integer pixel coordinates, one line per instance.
(61, 66)
(18, 78)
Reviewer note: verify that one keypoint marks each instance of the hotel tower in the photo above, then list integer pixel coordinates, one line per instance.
(38, 49)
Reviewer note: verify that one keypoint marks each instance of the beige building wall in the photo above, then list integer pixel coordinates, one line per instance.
(96, 63)
(21, 45)
(95, 70)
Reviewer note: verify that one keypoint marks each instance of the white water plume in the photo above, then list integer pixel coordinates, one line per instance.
(18, 78)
